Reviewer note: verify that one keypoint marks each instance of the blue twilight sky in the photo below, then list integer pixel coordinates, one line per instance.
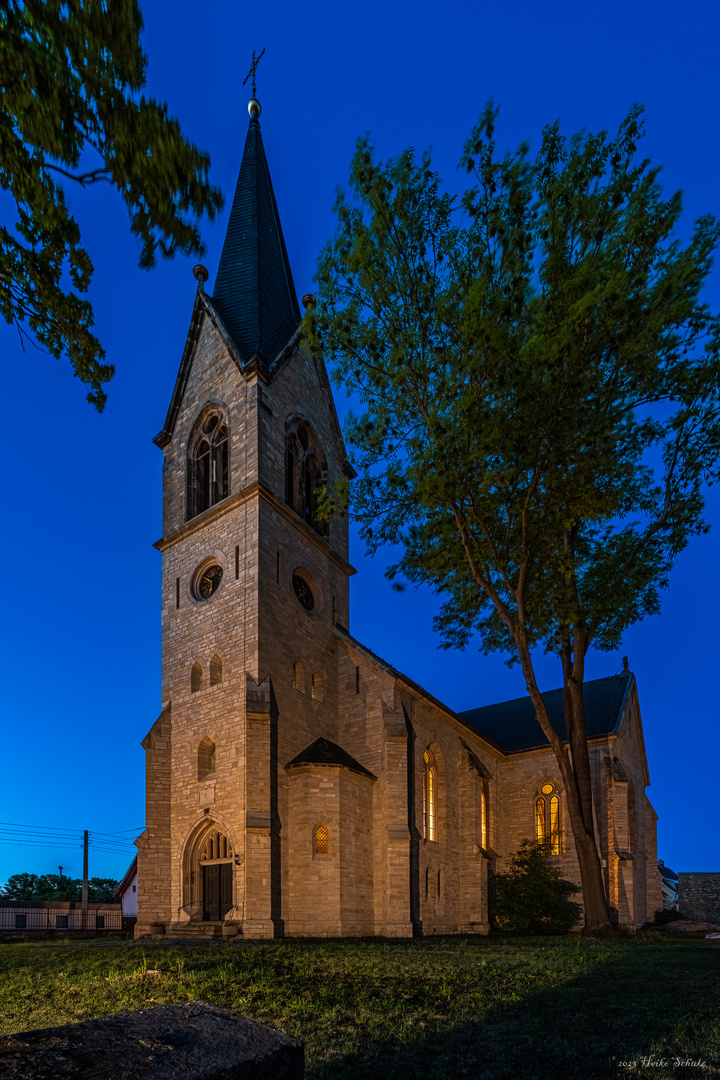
(81, 625)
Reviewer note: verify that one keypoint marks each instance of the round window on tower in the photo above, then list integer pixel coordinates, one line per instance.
(206, 580)
(303, 592)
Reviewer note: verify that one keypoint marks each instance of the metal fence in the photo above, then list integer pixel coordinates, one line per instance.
(29, 919)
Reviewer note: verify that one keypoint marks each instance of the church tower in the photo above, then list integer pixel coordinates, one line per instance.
(253, 583)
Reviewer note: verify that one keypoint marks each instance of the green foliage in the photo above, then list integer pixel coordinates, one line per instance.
(531, 897)
(71, 72)
(541, 396)
(540, 381)
(58, 887)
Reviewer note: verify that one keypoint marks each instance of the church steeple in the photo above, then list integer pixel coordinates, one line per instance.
(254, 291)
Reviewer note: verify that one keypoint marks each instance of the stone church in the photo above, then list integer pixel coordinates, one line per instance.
(297, 784)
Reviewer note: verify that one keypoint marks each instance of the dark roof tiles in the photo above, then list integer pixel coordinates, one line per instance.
(512, 725)
(324, 752)
(254, 291)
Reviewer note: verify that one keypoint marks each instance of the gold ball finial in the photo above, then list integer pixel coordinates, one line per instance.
(254, 108)
(200, 273)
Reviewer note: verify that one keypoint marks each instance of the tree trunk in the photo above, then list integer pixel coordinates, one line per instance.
(575, 772)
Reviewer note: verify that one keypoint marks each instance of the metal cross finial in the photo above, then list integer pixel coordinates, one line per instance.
(253, 69)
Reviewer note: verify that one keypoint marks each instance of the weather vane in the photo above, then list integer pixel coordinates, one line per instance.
(253, 69)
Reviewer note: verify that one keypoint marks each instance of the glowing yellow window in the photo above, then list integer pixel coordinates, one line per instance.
(547, 817)
(540, 820)
(429, 797)
(555, 824)
(321, 840)
(483, 818)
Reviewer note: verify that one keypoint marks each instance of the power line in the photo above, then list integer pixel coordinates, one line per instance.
(42, 844)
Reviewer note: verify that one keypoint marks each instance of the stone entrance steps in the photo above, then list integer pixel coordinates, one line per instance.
(199, 931)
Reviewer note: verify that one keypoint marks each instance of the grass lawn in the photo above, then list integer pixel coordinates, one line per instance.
(500, 1007)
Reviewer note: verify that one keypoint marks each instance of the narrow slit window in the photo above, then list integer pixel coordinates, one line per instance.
(357, 680)
(555, 824)
(216, 670)
(177, 592)
(237, 562)
(483, 817)
(540, 819)
(196, 678)
(316, 687)
(298, 679)
(429, 796)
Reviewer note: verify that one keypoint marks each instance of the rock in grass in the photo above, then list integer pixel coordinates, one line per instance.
(192, 1041)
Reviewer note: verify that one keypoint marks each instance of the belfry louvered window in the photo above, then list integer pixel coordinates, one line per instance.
(208, 474)
(305, 475)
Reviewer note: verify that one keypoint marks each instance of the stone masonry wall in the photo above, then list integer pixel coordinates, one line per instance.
(699, 895)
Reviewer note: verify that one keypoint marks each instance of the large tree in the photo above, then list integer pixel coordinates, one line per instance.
(540, 385)
(71, 72)
(57, 887)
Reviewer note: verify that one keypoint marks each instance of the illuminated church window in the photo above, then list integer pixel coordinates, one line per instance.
(321, 840)
(429, 796)
(547, 817)
(483, 817)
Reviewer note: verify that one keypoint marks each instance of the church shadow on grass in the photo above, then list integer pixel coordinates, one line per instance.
(615, 1021)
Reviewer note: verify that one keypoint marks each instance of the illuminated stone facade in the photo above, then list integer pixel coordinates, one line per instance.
(286, 786)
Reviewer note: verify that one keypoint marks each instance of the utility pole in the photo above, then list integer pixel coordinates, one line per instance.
(85, 880)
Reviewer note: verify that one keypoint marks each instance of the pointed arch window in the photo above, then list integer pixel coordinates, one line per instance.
(216, 670)
(206, 759)
(216, 848)
(298, 677)
(305, 475)
(316, 687)
(196, 678)
(430, 793)
(547, 817)
(483, 816)
(208, 473)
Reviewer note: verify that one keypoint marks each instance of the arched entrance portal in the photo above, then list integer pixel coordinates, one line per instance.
(208, 874)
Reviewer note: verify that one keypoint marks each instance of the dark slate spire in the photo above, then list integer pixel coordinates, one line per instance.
(254, 292)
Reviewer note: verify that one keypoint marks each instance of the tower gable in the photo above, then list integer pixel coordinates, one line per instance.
(210, 377)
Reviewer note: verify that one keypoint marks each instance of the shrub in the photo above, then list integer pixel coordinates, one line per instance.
(531, 897)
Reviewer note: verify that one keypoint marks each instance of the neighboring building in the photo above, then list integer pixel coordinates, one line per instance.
(699, 895)
(55, 916)
(127, 891)
(296, 783)
(669, 887)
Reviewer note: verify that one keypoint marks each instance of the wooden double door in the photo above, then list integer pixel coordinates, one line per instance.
(217, 891)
